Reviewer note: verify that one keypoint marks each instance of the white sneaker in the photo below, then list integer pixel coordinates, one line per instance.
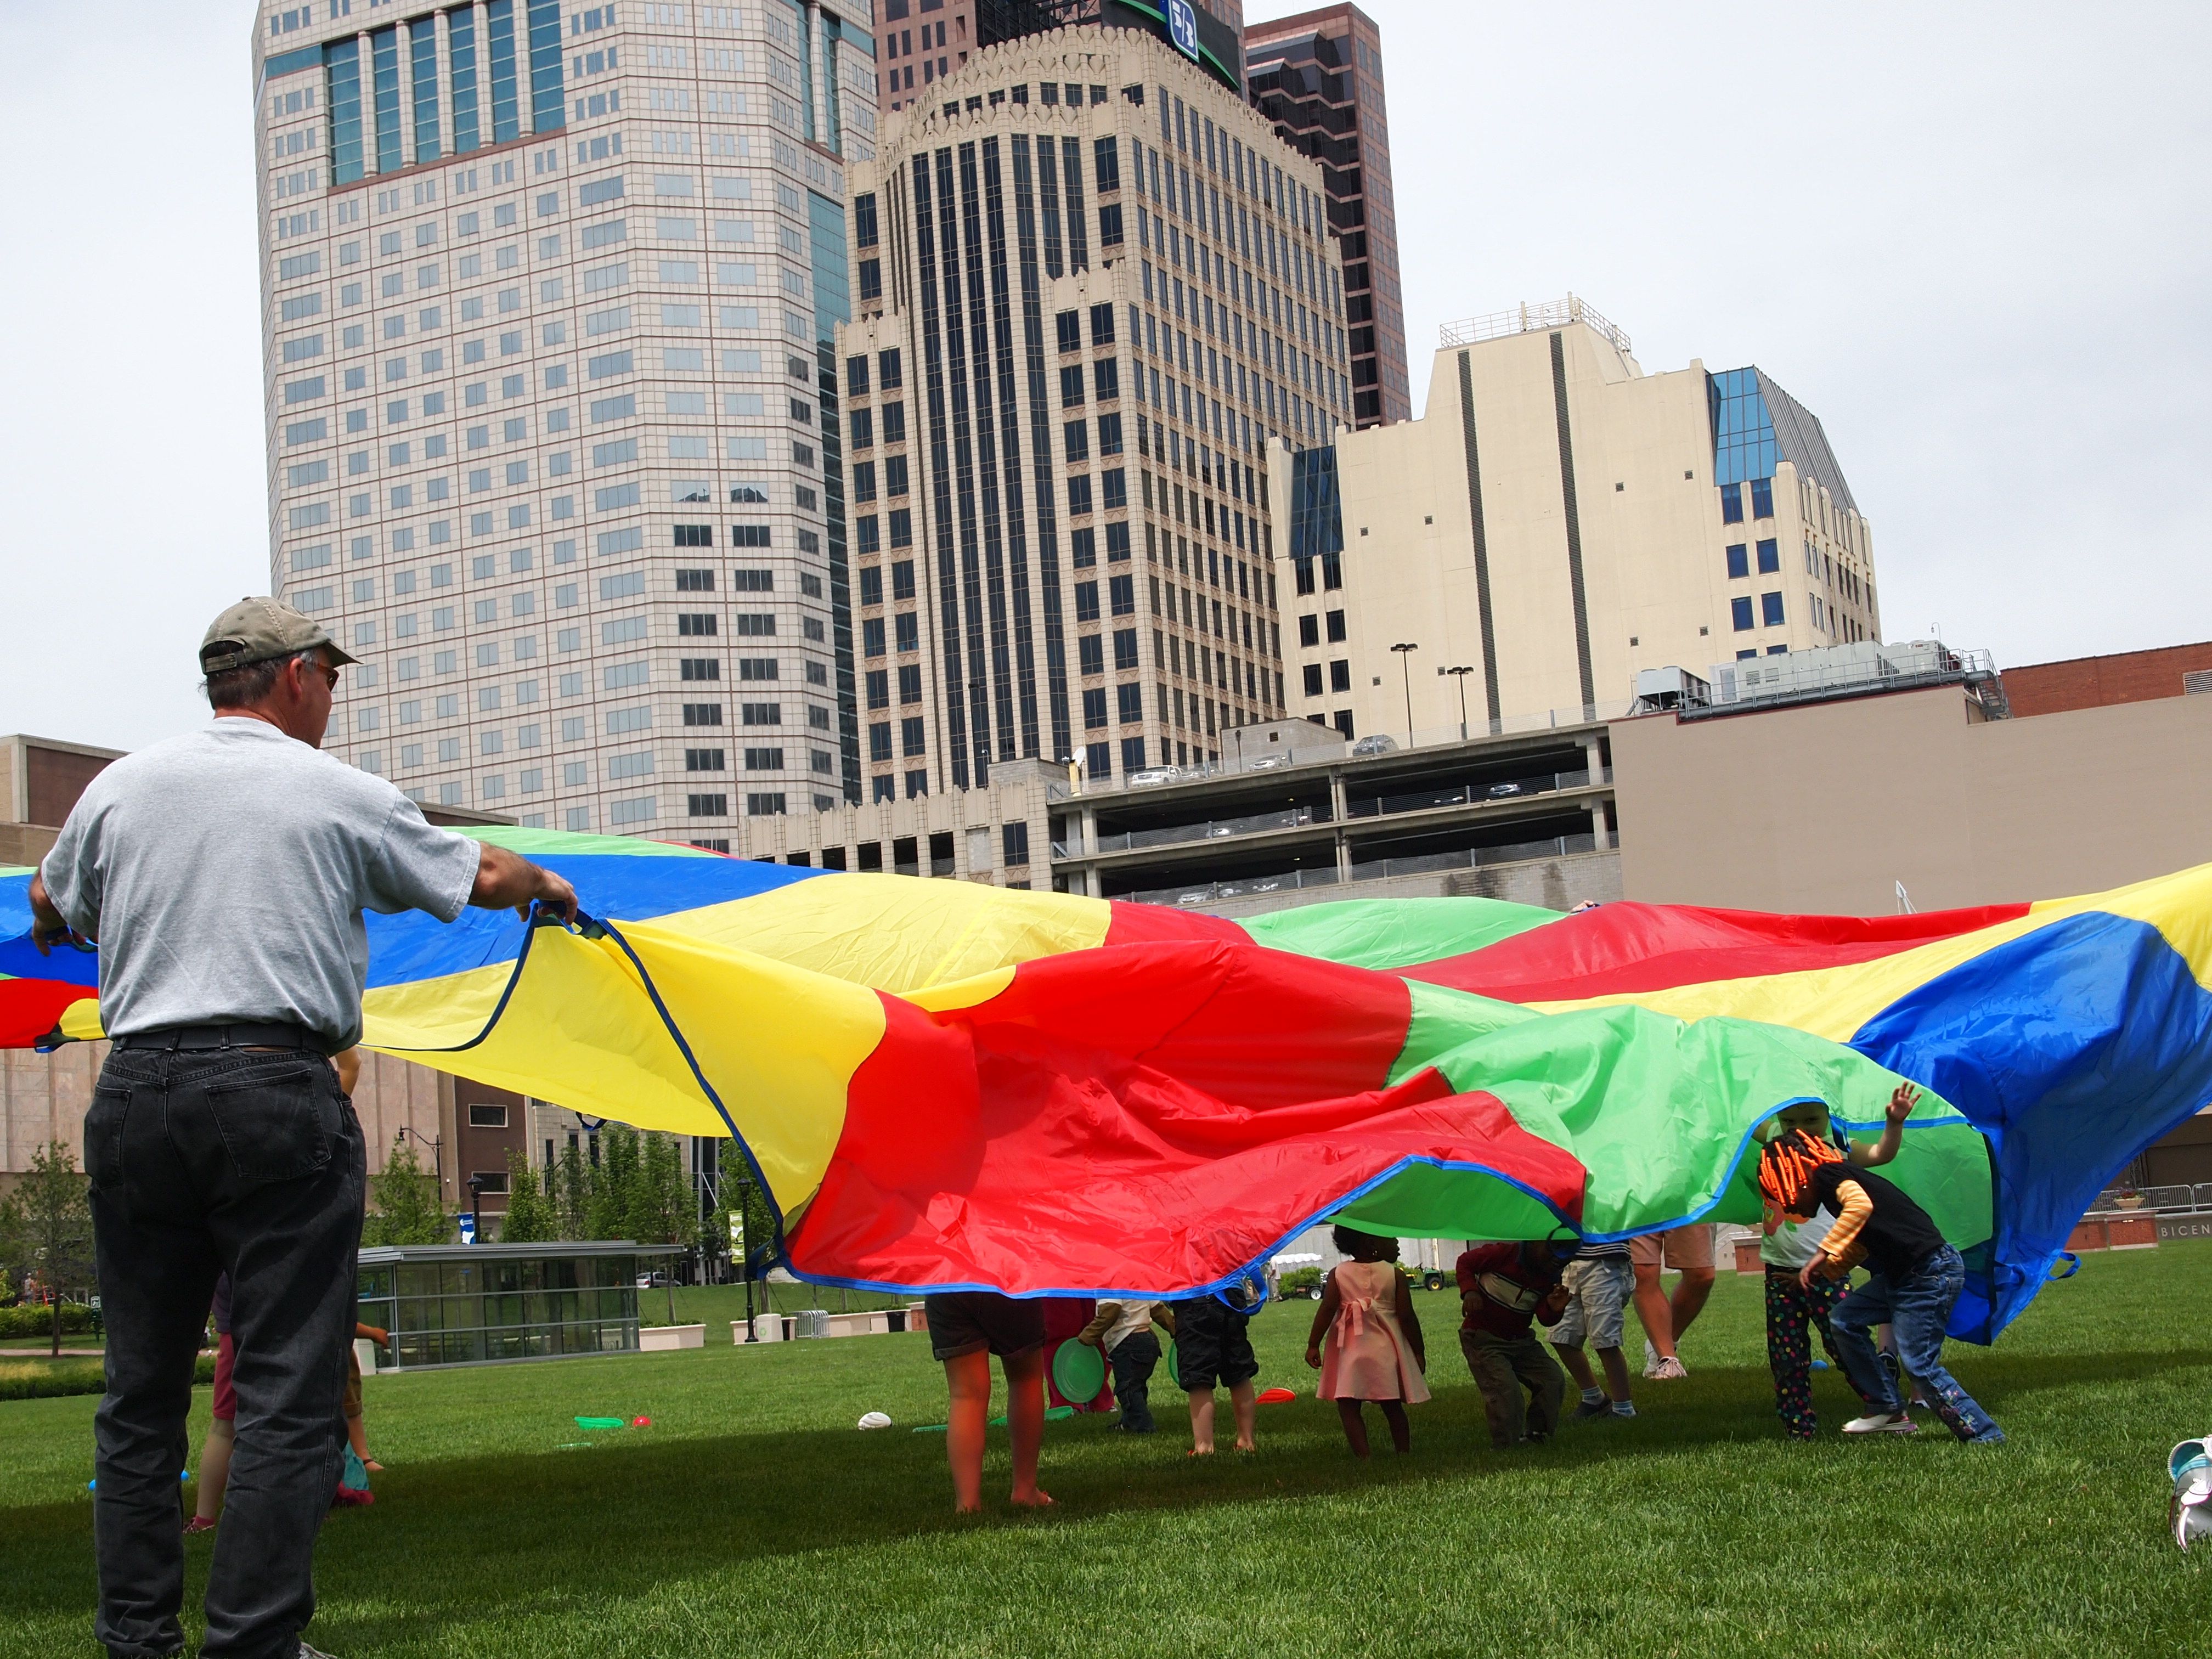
(1882, 1423)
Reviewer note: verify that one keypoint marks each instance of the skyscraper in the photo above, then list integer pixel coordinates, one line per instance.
(1091, 284)
(945, 32)
(555, 438)
(1318, 76)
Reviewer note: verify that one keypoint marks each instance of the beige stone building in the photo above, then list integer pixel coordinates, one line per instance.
(1091, 284)
(1831, 807)
(1556, 521)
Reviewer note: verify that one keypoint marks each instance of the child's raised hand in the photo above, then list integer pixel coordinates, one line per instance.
(1902, 1103)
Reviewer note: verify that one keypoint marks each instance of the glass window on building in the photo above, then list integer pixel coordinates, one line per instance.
(474, 1304)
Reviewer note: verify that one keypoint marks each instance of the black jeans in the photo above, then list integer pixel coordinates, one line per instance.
(204, 1161)
(1133, 1359)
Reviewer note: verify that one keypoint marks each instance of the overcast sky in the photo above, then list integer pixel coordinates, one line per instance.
(1975, 241)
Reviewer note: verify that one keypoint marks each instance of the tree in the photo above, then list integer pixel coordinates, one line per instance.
(46, 1228)
(661, 1197)
(611, 1183)
(572, 1194)
(531, 1217)
(408, 1210)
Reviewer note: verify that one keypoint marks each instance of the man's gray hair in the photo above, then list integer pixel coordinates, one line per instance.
(249, 683)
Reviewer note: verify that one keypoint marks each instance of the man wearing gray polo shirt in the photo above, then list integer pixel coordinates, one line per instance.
(224, 874)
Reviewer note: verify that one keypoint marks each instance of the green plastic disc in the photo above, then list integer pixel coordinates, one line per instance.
(1174, 1373)
(1078, 1371)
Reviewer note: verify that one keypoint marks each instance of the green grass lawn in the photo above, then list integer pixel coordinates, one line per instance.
(752, 1518)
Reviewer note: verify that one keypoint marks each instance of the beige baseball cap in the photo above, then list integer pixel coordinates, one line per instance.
(256, 628)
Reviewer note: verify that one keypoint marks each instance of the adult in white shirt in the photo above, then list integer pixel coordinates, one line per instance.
(224, 873)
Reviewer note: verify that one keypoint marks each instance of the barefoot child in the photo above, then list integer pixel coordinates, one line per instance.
(1212, 1346)
(1373, 1339)
(966, 1327)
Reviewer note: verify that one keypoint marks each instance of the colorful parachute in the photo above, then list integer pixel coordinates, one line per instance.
(944, 1084)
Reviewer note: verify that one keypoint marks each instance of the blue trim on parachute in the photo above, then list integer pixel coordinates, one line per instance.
(2071, 1048)
(590, 927)
(413, 946)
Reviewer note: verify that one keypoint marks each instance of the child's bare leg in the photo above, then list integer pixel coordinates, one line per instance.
(215, 1469)
(968, 1380)
(1025, 1421)
(1616, 1374)
(1201, 1422)
(1355, 1426)
(1578, 1364)
(357, 1437)
(1401, 1431)
(1244, 1400)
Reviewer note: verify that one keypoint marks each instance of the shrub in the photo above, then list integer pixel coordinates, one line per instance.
(36, 1319)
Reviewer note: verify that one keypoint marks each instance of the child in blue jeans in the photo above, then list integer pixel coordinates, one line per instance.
(1915, 1277)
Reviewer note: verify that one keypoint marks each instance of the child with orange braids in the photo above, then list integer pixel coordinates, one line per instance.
(1914, 1279)
(1794, 1308)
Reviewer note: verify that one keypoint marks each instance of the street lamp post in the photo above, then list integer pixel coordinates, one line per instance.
(1405, 653)
(437, 1153)
(1459, 674)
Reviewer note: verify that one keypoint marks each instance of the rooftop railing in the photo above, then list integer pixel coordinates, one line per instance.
(1473, 858)
(1368, 748)
(1526, 319)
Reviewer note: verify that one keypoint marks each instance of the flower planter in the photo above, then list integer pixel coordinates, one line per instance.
(665, 1339)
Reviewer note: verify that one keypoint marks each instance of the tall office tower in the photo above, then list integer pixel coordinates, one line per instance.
(923, 42)
(1318, 76)
(1209, 31)
(1558, 521)
(1091, 284)
(554, 432)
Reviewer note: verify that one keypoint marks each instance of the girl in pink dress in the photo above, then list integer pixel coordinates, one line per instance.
(1366, 1339)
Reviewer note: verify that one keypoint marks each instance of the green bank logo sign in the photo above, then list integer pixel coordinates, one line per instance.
(1182, 28)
